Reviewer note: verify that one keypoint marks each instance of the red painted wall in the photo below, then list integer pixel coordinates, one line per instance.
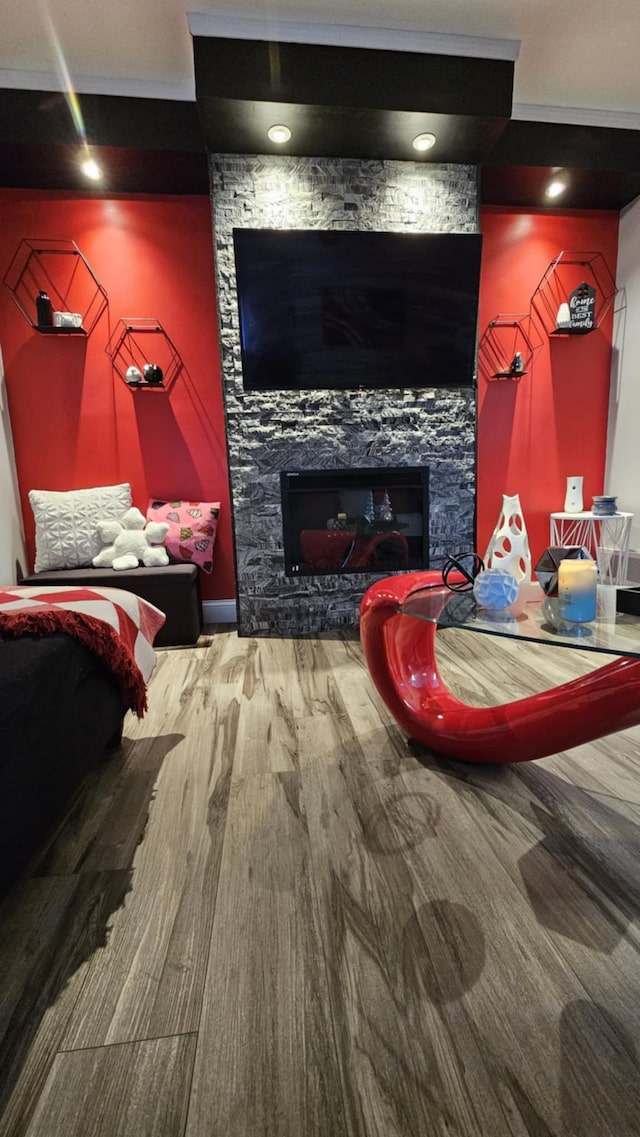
(75, 422)
(552, 423)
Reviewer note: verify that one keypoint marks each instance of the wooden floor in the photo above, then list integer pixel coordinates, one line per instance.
(271, 915)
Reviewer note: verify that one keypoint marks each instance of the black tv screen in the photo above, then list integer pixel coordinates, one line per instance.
(346, 309)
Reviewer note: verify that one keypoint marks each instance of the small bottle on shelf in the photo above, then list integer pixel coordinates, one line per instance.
(44, 310)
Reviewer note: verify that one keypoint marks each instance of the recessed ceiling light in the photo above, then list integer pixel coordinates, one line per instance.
(424, 141)
(91, 169)
(279, 133)
(555, 188)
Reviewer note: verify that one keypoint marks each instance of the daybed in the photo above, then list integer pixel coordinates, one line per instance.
(72, 662)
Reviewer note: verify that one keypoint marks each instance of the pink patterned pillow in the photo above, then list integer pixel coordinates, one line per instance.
(192, 529)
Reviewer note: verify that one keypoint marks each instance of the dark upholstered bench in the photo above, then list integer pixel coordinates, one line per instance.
(174, 589)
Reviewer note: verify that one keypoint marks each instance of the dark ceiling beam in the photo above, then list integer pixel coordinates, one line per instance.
(255, 70)
(348, 102)
(526, 143)
(586, 189)
(238, 127)
(143, 145)
(126, 169)
(600, 165)
(43, 118)
(339, 102)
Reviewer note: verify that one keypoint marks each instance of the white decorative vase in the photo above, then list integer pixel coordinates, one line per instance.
(508, 548)
(563, 319)
(573, 497)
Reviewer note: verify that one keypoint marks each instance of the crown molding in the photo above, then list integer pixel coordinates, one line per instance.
(576, 116)
(89, 85)
(347, 35)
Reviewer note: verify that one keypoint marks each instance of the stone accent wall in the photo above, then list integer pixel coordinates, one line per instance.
(290, 430)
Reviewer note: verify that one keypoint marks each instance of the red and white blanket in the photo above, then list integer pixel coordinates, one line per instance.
(116, 625)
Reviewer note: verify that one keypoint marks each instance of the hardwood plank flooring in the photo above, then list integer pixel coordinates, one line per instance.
(115, 1091)
(389, 1033)
(148, 979)
(266, 1061)
(49, 930)
(266, 728)
(270, 914)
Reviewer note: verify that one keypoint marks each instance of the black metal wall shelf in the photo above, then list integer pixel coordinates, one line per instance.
(137, 341)
(508, 347)
(562, 277)
(60, 269)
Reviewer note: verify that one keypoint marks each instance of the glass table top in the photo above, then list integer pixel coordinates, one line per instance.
(615, 633)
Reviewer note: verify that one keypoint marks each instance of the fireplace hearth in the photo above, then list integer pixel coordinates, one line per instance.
(355, 520)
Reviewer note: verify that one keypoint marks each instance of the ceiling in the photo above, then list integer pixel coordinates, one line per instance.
(573, 89)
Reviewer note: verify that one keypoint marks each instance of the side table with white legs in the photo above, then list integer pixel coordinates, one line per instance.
(606, 538)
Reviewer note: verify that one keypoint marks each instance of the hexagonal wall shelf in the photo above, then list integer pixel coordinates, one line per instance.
(140, 341)
(554, 300)
(58, 268)
(507, 347)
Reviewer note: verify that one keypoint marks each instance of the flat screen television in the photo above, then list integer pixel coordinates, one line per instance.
(356, 309)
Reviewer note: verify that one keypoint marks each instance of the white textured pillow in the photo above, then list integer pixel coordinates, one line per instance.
(67, 523)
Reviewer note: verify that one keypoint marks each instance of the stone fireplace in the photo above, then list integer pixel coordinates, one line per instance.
(271, 433)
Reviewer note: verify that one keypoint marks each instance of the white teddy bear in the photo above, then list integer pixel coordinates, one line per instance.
(131, 540)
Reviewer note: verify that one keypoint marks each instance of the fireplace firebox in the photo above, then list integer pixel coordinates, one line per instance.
(358, 520)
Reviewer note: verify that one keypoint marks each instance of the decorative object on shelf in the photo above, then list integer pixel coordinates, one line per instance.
(546, 569)
(134, 376)
(509, 545)
(577, 591)
(129, 347)
(495, 589)
(563, 317)
(573, 502)
(44, 310)
(468, 565)
(605, 506)
(152, 373)
(574, 294)
(131, 540)
(582, 308)
(508, 346)
(67, 320)
(72, 286)
(369, 510)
